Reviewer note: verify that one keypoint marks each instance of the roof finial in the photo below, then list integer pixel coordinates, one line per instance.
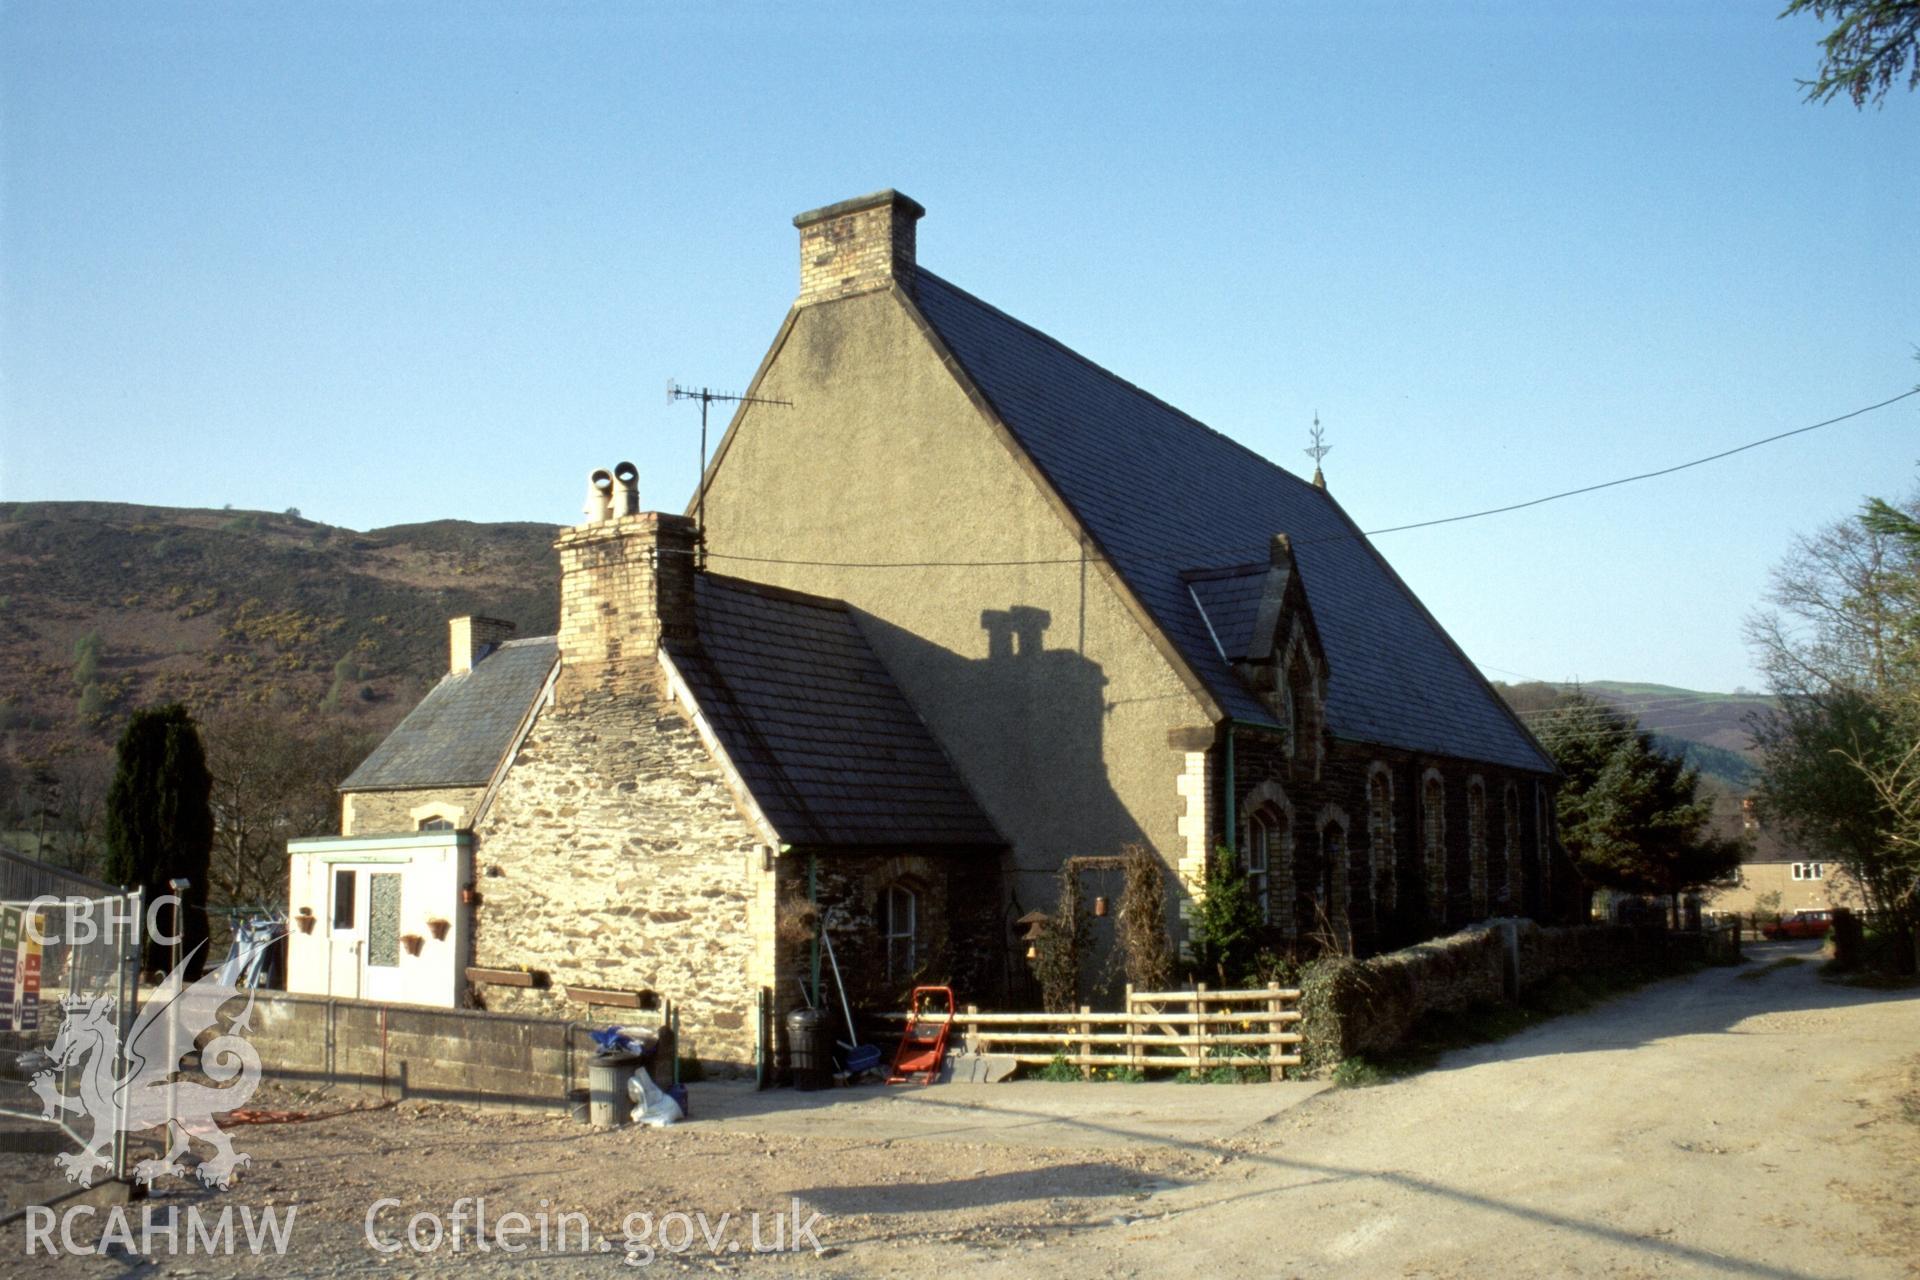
(1318, 450)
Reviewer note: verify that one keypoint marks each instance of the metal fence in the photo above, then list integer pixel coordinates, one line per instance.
(66, 943)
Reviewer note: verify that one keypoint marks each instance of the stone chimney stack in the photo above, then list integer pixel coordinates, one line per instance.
(626, 584)
(857, 246)
(472, 639)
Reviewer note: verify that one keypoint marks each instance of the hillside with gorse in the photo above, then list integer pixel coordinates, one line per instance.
(105, 607)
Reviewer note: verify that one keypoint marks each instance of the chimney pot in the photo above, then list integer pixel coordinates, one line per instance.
(599, 496)
(626, 488)
(858, 246)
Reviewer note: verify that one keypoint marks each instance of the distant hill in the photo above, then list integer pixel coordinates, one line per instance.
(105, 607)
(1709, 728)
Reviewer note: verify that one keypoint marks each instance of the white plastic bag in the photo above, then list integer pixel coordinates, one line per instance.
(654, 1107)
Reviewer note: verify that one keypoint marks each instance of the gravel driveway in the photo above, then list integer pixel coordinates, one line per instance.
(1751, 1121)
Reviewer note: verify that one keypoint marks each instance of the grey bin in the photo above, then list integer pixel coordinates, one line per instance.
(608, 1105)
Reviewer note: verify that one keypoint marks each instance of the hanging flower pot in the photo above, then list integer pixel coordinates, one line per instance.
(412, 942)
(438, 928)
(305, 919)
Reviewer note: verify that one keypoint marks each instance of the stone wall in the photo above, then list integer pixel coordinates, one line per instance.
(1370, 1006)
(373, 813)
(614, 856)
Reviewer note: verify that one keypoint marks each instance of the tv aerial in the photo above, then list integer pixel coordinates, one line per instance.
(708, 396)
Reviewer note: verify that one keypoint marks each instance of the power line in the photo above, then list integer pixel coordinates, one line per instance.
(1645, 475)
(1211, 552)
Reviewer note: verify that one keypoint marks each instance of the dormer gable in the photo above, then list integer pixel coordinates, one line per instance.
(1263, 623)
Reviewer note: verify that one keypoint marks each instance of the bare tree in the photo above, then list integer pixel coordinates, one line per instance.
(273, 780)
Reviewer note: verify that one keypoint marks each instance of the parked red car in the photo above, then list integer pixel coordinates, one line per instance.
(1801, 924)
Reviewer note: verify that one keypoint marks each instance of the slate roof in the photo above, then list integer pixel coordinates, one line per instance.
(458, 733)
(1162, 493)
(830, 748)
(1230, 602)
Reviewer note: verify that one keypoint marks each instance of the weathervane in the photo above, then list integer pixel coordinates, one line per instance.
(1318, 450)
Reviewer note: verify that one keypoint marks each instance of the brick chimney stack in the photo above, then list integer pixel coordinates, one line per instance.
(857, 246)
(473, 638)
(626, 584)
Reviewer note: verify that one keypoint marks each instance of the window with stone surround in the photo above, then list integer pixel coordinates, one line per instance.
(1289, 717)
(899, 927)
(1477, 845)
(1386, 888)
(1543, 843)
(1330, 885)
(1256, 857)
(1433, 844)
(1509, 864)
(1267, 814)
(1301, 705)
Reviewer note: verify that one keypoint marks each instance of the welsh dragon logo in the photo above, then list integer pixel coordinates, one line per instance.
(148, 1094)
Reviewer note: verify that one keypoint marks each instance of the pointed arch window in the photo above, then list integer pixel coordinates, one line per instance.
(1433, 845)
(1257, 855)
(1509, 866)
(1477, 845)
(1380, 837)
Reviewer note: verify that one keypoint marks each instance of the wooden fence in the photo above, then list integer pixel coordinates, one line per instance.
(1196, 1030)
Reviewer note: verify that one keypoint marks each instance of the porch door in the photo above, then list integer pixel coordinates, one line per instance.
(346, 931)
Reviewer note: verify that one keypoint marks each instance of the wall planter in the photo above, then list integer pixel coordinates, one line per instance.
(305, 919)
(438, 928)
(615, 999)
(506, 977)
(412, 942)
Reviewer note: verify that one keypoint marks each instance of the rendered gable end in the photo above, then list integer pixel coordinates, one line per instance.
(1040, 680)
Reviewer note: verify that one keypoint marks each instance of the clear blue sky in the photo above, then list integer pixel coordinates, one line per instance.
(388, 263)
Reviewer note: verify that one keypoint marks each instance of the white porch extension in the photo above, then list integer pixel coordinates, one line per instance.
(380, 917)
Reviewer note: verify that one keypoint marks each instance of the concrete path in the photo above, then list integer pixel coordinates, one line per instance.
(1753, 1121)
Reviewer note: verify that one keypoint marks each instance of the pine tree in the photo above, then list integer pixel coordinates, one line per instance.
(160, 819)
(1630, 814)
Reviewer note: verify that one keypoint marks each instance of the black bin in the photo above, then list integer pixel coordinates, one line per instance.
(809, 1049)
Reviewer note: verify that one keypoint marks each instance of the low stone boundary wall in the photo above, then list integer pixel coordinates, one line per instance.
(451, 1055)
(1361, 1006)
